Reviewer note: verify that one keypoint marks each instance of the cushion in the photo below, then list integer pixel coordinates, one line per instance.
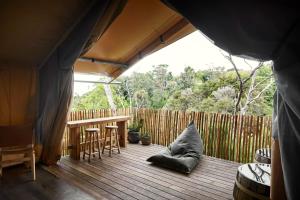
(183, 154)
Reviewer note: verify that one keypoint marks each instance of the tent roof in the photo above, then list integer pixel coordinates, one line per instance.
(30, 31)
(142, 28)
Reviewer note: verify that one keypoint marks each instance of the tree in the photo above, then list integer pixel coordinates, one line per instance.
(141, 99)
(97, 99)
(92, 100)
(160, 78)
(181, 100)
(225, 97)
(210, 90)
(187, 78)
(109, 97)
(254, 87)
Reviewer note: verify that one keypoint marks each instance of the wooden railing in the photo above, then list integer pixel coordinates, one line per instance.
(230, 137)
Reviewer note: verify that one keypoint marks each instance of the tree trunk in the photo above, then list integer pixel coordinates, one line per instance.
(110, 98)
(249, 95)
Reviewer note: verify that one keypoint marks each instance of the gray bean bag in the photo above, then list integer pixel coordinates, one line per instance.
(183, 154)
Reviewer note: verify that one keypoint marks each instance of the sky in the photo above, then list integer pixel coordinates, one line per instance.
(194, 50)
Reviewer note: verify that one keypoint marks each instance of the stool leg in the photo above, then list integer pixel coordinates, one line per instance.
(104, 144)
(33, 164)
(94, 144)
(98, 144)
(110, 143)
(117, 140)
(90, 147)
(84, 149)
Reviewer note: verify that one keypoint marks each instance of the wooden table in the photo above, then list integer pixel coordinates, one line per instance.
(74, 127)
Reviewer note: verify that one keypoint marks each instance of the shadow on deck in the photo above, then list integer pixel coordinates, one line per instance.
(16, 183)
(129, 176)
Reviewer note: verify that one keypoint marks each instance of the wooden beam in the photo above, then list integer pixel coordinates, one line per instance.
(97, 61)
(102, 82)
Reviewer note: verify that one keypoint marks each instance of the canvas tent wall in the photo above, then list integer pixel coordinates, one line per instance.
(41, 40)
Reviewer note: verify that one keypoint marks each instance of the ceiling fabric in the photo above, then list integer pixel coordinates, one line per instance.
(142, 28)
(31, 30)
(265, 30)
(35, 29)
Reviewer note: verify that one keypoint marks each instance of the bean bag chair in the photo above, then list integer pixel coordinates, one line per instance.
(183, 154)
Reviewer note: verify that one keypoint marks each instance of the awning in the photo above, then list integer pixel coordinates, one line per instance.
(143, 27)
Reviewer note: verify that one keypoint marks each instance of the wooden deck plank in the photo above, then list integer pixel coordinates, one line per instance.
(158, 182)
(170, 179)
(16, 183)
(207, 164)
(106, 187)
(89, 188)
(141, 179)
(167, 183)
(129, 176)
(207, 180)
(150, 151)
(110, 171)
(200, 172)
(204, 166)
(126, 187)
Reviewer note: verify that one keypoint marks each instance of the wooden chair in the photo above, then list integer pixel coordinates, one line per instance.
(111, 132)
(16, 146)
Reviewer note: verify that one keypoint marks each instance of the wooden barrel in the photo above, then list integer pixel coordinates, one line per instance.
(263, 156)
(252, 182)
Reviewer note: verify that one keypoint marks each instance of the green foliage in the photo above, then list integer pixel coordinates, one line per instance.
(95, 99)
(213, 90)
(206, 105)
(145, 134)
(136, 126)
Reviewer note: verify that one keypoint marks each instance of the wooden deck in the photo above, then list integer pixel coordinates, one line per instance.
(16, 183)
(129, 176)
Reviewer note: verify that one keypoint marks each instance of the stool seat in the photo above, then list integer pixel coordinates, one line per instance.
(91, 136)
(111, 132)
(92, 130)
(111, 127)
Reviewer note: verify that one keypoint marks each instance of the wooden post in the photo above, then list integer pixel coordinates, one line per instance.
(75, 143)
(123, 133)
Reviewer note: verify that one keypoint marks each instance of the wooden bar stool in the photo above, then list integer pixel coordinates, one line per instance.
(111, 132)
(91, 135)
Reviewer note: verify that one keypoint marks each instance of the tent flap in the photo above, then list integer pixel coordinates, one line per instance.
(263, 30)
(56, 81)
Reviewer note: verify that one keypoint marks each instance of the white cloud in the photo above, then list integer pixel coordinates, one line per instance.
(194, 50)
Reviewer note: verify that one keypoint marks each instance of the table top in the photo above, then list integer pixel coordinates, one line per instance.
(77, 123)
(260, 173)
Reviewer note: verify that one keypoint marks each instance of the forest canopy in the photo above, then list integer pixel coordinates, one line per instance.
(209, 90)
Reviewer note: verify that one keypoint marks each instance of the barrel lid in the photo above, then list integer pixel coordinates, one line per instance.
(256, 172)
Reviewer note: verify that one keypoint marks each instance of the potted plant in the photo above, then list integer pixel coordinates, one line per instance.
(134, 131)
(146, 138)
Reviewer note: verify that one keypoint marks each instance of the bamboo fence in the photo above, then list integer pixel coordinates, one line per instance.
(230, 137)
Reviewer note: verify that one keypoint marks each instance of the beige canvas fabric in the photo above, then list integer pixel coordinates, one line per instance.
(18, 96)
